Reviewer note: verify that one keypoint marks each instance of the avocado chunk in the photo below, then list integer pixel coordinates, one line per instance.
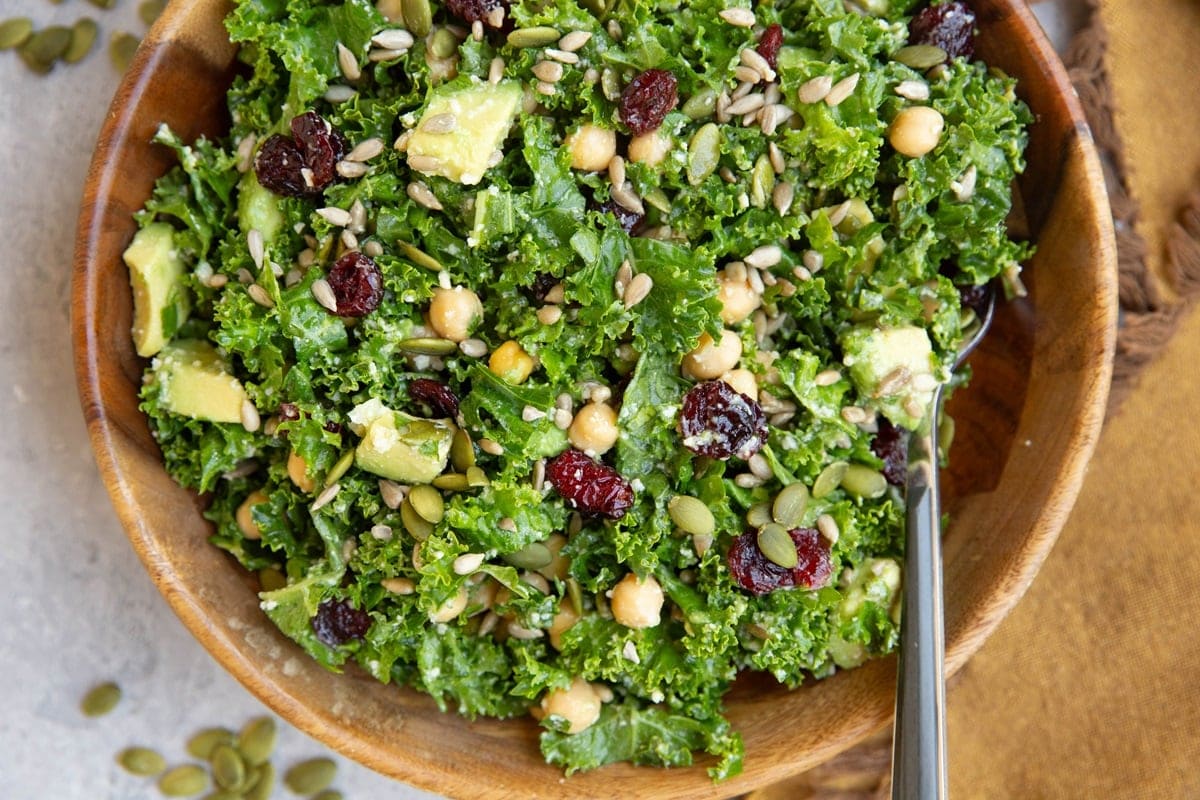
(482, 115)
(258, 208)
(160, 300)
(194, 381)
(894, 367)
(398, 446)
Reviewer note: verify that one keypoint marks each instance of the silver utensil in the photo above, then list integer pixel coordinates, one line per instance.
(919, 735)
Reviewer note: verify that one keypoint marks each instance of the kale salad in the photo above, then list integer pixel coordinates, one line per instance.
(558, 358)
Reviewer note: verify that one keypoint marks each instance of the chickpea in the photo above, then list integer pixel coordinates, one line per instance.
(454, 312)
(592, 147)
(452, 607)
(559, 564)
(710, 360)
(579, 705)
(563, 620)
(297, 470)
(738, 298)
(594, 429)
(245, 517)
(743, 381)
(649, 148)
(916, 130)
(637, 603)
(511, 362)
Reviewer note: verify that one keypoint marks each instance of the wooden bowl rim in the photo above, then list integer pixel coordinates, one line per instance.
(105, 432)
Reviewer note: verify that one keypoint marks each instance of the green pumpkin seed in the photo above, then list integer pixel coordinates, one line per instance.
(419, 257)
(121, 49)
(443, 43)
(151, 10)
(658, 199)
(263, 783)
(597, 7)
(141, 761)
(339, 468)
(610, 84)
(256, 740)
(945, 434)
(202, 744)
(533, 37)
(701, 105)
(759, 515)
(704, 151)
(414, 523)
(270, 579)
(575, 592)
(328, 794)
(83, 36)
(228, 769)
(100, 700)
(452, 482)
(418, 16)
(183, 781)
(477, 478)
(534, 555)
(45, 47)
(863, 481)
(221, 794)
(920, 56)
(691, 515)
(829, 479)
(762, 182)
(427, 501)
(15, 32)
(104, 4)
(777, 545)
(424, 346)
(310, 777)
(462, 452)
(790, 504)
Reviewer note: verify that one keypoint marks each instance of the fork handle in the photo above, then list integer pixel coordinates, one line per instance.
(919, 737)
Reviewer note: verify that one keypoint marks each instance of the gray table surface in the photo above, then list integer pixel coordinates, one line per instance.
(76, 606)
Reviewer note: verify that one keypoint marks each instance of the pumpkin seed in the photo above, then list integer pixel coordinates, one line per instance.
(15, 32)
(183, 781)
(477, 478)
(462, 452)
(945, 433)
(777, 545)
(443, 44)
(100, 700)
(610, 84)
(427, 501)
(83, 36)
(452, 482)
(141, 761)
(121, 49)
(575, 592)
(863, 481)
(701, 105)
(416, 525)
(228, 769)
(104, 4)
(221, 794)
(339, 468)
(418, 16)
(151, 10)
(428, 347)
(202, 744)
(759, 515)
(256, 740)
(920, 56)
(419, 256)
(328, 794)
(790, 504)
(829, 479)
(534, 555)
(539, 36)
(310, 777)
(45, 47)
(270, 579)
(704, 151)
(691, 515)
(762, 182)
(658, 198)
(263, 783)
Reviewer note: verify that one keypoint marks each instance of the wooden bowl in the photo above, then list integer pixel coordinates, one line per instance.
(1026, 429)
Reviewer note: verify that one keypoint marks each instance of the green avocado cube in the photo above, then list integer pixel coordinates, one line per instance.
(398, 446)
(160, 300)
(894, 368)
(462, 128)
(194, 381)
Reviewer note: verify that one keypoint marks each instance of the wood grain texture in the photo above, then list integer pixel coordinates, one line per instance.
(1027, 428)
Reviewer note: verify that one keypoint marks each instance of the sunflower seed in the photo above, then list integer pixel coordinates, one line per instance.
(543, 88)
(326, 497)
(256, 740)
(573, 41)
(521, 632)
(776, 544)
(351, 169)
(764, 257)
(141, 761)
(183, 781)
(754, 60)
(468, 563)
(738, 17)
(392, 493)
(100, 700)
(548, 71)
(743, 73)
(854, 415)
(828, 528)
(893, 382)
(912, 90)
(745, 105)
(842, 90)
(561, 55)
(627, 199)
(964, 187)
(474, 348)
(490, 447)
(348, 63)
(421, 195)
(782, 197)
(322, 292)
(337, 217)
(637, 290)
(15, 32)
(747, 480)
(439, 123)
(424, 164)
(838, 215)
(393, 39)
(399, 585)
(309, 777)
(259, 295)
(366, 150)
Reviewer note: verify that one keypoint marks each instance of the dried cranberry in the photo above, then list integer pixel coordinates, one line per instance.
(322, 146)
(719, 422)
(438, 397)
(472, 10)
(648, 99)
(754, 571)
(891, 445)
(588, 485)
(278, 164)
(950, 26)
(543, 282)
(630, 221)
(769, 44)
(974, 297)
(338, 621)
(357, 284)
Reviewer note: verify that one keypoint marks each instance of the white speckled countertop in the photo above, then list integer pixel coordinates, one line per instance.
(76, 606)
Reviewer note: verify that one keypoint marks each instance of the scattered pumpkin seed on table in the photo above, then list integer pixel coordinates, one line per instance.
(121, 48)
(15, 32)
(257, 740)
(228, 769)
(264, 783)
(141, 761)
(103, 4)
(100, 700)
(151, 10)
(83, 37)
(202, 744)
(186, 780)
(311, 776)
(45, 47)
